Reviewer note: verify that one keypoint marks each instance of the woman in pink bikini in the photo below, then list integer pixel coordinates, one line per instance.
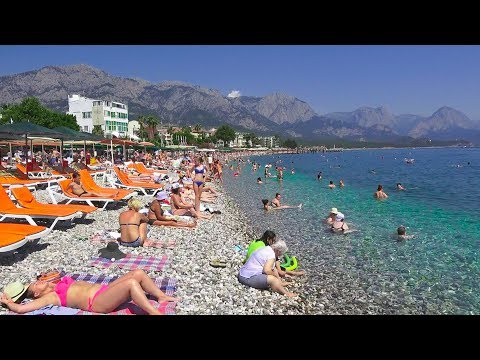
(91, 297)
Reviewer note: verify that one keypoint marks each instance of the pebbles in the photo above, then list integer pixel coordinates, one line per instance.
(203, 288)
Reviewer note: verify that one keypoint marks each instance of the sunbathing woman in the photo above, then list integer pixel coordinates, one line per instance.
(157, 217)
(180, 207)
(91, 297)
(78, 189)
(133, 225)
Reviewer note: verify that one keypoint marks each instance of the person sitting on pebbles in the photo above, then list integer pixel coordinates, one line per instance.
(260, 271)
(133, 225)
(156, 215)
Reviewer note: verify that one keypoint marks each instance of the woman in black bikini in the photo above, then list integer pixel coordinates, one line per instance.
(77, 189)
(133, 225)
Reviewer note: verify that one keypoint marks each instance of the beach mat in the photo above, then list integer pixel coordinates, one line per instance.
(167, 285)
(131, 262)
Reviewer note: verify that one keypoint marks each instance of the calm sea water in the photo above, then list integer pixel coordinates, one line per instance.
(436, 272)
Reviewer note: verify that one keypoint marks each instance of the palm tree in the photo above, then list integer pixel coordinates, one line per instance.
(151, 123)
(197, 128)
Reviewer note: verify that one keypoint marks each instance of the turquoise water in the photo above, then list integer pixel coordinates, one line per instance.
(436, 272)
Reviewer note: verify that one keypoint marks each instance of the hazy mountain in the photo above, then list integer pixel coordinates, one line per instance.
(186, 104)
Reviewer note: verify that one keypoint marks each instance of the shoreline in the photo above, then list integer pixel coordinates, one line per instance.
(204, 290)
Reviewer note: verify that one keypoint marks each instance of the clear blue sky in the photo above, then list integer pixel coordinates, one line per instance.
(406, 79)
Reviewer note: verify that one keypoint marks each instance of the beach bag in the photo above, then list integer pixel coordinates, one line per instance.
(52, 276)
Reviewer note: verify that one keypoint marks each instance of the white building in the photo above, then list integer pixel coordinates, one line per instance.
(268, 141)
(112, 116)
(240, 141)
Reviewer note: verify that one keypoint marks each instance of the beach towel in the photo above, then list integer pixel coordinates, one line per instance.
(111, 236)
(167, 285)
(131, 262)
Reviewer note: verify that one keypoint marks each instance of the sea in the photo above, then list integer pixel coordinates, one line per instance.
(435, 272)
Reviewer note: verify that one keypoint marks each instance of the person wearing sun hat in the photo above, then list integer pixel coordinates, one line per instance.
(331, 216)
(156, 214)
(13, 291)
(339, 225)
(83, 295)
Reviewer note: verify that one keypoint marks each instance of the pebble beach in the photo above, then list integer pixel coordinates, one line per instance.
(204, 290)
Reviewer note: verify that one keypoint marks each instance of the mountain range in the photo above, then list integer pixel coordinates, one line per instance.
(179, 103)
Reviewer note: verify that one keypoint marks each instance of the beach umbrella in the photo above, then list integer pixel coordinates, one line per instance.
(26, 129)
(145, 144)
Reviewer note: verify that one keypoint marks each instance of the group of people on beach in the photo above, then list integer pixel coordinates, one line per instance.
(133, 224)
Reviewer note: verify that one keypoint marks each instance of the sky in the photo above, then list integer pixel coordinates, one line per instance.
(406, 79)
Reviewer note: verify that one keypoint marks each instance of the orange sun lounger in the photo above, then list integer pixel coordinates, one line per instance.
(9, 210)
(90, 184)
(27, 200)
(141, 168)
(64, 192)
(129, 184)
(17, 235)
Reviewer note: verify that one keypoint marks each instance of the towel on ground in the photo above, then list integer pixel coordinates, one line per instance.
(131, 262)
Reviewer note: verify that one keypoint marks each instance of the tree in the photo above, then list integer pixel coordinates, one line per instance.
(97, 130)
(225, 133)
(32, 110)
(252, 138)
(290, 143)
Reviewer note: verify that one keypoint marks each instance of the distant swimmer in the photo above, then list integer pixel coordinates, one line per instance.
(372, 171)
(341, 184)
(402, 233)
(331, 185)
(267, 206)
(276, 202)
(293, 171)
(380, 194)
(259, 180)
(319, 176)
(400, 187)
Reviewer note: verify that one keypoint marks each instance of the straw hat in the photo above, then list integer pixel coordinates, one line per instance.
(14, 290)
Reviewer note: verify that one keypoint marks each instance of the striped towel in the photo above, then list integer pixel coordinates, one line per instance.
(131, 262)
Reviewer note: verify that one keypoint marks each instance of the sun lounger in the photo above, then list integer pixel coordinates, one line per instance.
(34, 174)
(15, 236)
(25, 199)
(141, 168)
(61, 191)
(89, 184)
(9, 210)
(125, 182)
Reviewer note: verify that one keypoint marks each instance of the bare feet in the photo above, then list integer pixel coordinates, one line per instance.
(168, 298)
(148, 242)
